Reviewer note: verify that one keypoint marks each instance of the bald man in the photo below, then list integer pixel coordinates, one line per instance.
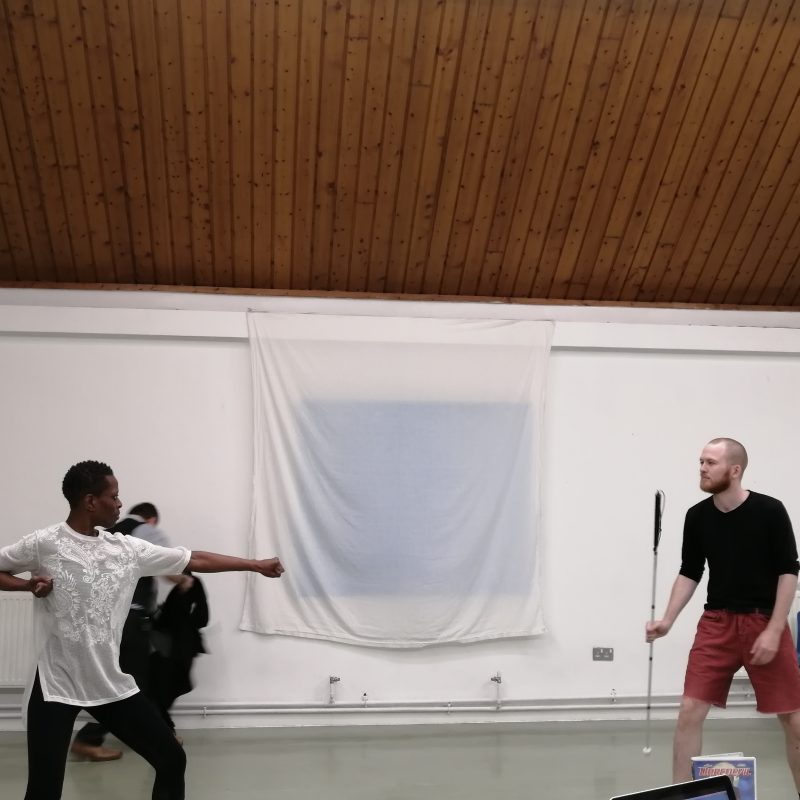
(748, 542)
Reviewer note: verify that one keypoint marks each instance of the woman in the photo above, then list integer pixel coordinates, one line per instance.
(88, 576)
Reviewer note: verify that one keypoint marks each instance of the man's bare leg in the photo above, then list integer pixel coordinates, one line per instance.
(791, 730)
(688, 739)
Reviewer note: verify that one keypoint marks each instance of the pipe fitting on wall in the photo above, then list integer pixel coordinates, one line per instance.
(497, 679)
(332, 680)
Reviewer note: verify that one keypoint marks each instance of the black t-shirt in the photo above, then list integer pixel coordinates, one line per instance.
(747, 549)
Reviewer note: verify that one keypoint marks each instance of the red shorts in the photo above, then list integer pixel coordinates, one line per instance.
(722, 646)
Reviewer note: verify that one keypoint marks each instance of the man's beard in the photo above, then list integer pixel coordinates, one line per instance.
(716, 487)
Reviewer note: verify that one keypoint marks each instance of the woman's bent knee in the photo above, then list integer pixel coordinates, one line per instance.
(171, 761)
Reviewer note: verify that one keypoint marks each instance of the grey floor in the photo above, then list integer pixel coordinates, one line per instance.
(564, 761)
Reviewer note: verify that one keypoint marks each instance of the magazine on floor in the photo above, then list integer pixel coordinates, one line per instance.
(740, 768)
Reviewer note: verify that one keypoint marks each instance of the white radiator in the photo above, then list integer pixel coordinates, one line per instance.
(16, 638)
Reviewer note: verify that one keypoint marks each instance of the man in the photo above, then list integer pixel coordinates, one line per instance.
(94, 574)
(747, 540)
(134, 650)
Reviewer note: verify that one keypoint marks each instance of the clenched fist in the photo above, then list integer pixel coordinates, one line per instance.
(270, 568)
(40, 586)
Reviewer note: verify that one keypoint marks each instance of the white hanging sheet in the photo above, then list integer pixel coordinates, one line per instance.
(396, 474)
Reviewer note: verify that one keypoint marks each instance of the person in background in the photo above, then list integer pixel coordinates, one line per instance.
(177, 641)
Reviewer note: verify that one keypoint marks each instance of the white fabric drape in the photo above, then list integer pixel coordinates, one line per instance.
(396, 474)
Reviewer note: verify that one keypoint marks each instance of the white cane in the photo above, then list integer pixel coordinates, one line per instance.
(659, 510)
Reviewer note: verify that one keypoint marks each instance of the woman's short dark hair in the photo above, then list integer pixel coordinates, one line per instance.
(87, 477)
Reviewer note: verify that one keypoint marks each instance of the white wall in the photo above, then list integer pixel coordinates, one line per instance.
(162, 393)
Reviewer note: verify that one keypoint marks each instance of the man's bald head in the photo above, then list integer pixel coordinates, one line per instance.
(735, 454)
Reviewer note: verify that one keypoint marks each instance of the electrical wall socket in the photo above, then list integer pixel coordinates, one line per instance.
(602, 654)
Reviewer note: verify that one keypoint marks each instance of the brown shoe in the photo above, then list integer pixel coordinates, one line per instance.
(93, 752)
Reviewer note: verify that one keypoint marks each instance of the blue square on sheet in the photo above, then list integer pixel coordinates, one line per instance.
(415, 498)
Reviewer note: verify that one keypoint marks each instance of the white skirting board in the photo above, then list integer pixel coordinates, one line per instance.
(196, 716)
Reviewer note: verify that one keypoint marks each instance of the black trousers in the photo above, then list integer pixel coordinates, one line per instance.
(134, 658)
(134, 721)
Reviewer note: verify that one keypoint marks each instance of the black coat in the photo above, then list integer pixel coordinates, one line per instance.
(177, 641)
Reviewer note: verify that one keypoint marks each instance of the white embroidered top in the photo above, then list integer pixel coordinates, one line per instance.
(93, 583)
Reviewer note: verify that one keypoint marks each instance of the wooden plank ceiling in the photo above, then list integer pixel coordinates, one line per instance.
(606, 150)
